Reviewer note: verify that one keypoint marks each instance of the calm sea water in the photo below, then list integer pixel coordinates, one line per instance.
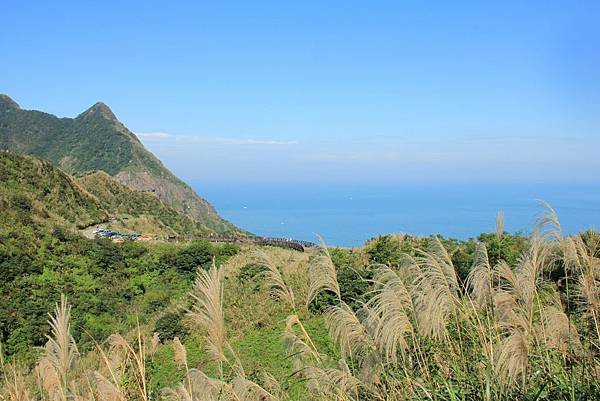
(350, 214)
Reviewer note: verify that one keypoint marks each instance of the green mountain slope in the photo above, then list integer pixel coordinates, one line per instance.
(96, 140)
(34, 192)
(144, 212)
(42, 254)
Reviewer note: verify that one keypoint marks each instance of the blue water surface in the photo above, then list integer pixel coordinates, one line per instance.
(349, 214)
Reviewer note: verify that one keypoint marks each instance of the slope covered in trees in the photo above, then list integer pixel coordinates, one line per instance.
(42, 254)
(96, 140)
(33, 191)
(139, 211)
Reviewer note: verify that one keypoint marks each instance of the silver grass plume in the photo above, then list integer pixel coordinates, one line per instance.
(390, 309)
(333, 383)
(548, 225)
(435, 290)
(203, 388)
(480, 278)
(154, 344)
(347, 331)
(560, 333)
(323, 276)
(299, 347)
(60, 352)
(206, 311)
(514, 357)
(14, 385)
(499, 225)
(273, 278)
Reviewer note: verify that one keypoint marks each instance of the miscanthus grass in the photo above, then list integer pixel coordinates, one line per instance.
(508, 331)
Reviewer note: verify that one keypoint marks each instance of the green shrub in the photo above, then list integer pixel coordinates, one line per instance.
(169, 326)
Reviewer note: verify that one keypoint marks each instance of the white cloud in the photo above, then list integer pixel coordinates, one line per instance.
(154, 135)
(163, 136)
(241, 141)
(460, 158)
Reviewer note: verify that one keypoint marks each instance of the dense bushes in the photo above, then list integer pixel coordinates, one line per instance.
(107, 283)
(170, 325)
(355, 267)
(189, 258)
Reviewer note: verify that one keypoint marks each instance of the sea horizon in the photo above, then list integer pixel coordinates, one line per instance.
(349, 214)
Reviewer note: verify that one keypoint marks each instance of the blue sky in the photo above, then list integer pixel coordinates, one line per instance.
(305, 91)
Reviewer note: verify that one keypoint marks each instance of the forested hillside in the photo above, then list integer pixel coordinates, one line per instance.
(138, 211)
(32, 191)
(96, 140)
(42, 255)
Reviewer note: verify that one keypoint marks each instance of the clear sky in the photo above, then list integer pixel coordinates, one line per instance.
(324, 90)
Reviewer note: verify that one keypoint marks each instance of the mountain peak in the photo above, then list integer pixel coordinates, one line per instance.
(99, 109)
(7, 103)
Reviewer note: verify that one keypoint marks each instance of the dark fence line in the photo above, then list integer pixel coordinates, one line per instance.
(289, 243)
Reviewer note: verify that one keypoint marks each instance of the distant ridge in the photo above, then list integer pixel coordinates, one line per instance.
(96, 140)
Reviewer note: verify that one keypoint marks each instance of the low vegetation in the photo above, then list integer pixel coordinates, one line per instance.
(498, 318)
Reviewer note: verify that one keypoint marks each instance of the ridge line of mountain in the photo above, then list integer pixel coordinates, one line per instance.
(95, 140)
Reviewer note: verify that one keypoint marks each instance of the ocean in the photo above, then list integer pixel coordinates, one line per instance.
(349, 214)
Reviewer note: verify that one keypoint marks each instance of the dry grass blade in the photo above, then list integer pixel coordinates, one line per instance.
(499, 225)
(274, 279)
(14, 384)
(548, 225)
(514, 357)
(389, 311)
(480, 278)
(345, 328)
(206, 311)
(60, 352)
(323, 276)
(435, 290)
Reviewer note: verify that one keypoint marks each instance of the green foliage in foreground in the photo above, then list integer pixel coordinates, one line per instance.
(110, 285)
(417, 333)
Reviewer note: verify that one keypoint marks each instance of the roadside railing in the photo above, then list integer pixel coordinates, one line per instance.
(288, 243)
